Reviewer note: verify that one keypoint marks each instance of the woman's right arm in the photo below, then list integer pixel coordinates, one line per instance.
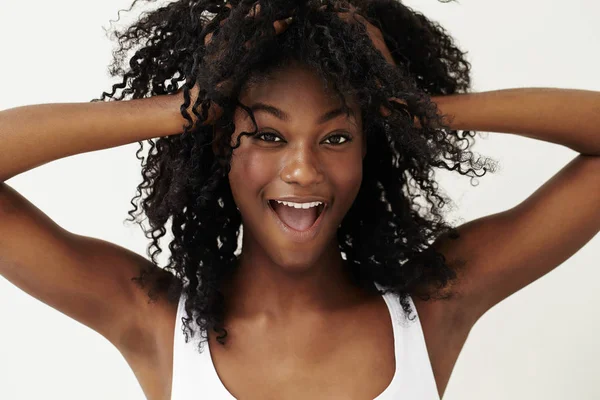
(33, 135)
(86, 278)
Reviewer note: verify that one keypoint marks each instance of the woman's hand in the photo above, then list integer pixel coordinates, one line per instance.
(352, 16)
(279, 25)
(215, 111)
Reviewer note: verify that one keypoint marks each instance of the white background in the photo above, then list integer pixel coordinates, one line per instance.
(539, 343)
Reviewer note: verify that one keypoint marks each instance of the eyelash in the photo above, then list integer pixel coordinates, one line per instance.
(262, 133)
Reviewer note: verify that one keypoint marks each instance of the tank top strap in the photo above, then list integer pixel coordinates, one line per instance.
(398, 315)
(193, 371)
(413, 366)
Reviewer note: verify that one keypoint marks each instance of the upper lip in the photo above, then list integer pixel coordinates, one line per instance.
(303, 199)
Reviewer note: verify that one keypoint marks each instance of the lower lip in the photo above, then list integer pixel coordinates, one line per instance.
(296, 235)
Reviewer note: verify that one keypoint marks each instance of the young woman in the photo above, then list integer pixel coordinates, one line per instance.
(319, 135)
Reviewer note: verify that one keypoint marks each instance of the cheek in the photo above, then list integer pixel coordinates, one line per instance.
(250, 173)
(346, 177)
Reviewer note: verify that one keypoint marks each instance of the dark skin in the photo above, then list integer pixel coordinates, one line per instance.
(300, 159)
(291, 304)
(278, 278)
(307, 312)
(89, 279)
(298, 294)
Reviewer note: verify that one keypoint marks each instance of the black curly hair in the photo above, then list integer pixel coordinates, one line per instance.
(387, 235)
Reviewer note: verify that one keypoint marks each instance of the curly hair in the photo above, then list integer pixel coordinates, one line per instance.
(387, 234)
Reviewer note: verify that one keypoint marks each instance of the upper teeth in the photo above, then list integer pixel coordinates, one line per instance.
(300, 205)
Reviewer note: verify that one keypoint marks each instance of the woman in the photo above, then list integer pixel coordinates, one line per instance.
(320, 136)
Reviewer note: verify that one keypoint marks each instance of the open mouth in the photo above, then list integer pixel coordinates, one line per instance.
(298, 219)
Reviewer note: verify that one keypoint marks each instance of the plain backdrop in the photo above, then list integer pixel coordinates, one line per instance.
(539, 343)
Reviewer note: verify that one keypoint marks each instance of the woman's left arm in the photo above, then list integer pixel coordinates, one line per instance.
(508, 250)
(563, 116)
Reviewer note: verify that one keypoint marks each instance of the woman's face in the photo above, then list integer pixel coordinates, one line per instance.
(304, 152)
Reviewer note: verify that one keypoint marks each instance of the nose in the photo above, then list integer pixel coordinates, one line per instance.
(302, 168)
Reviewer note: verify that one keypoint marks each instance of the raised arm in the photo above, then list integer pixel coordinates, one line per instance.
(508, 250)
(34, 135)
(85, 278)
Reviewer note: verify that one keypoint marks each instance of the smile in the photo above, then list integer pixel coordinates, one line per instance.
(301, 217)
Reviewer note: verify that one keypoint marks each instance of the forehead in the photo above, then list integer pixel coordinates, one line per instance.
(298, 92)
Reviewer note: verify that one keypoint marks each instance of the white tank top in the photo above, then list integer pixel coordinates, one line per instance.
(194, 372)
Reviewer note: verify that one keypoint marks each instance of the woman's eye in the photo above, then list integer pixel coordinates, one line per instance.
(268, 137)
(336, 139)
(339, 139)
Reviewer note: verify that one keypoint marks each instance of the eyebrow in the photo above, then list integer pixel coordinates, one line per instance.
(282, 115)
